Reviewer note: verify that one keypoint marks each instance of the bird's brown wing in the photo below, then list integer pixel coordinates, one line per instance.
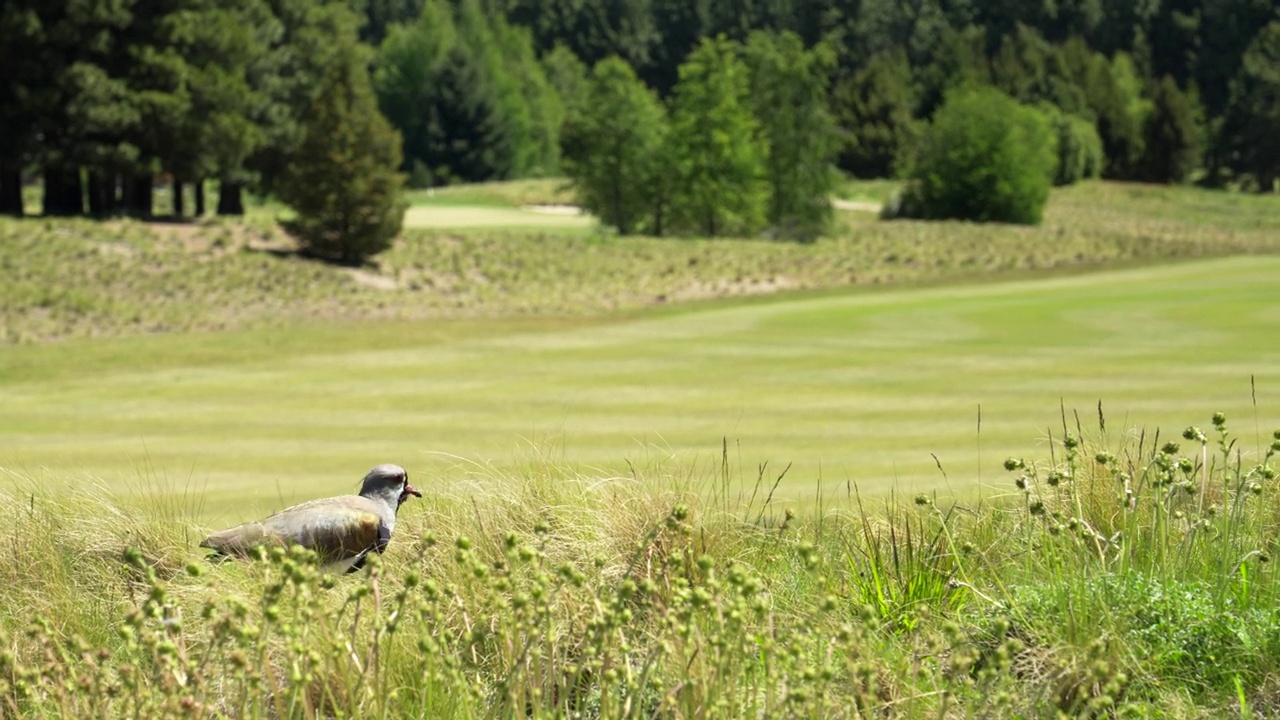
(340, 528)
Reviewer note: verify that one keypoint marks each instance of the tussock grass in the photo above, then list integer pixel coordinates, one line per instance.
(1121, 575)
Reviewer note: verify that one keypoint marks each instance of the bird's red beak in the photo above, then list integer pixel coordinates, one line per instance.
(408, 490)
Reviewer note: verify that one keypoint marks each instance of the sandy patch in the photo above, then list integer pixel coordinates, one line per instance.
(857, 205)
(553, 209)
(373, 280)
(467, 216)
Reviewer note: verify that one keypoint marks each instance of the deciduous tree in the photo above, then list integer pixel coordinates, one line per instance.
(789, 98)
(717, 163)
(616, 166)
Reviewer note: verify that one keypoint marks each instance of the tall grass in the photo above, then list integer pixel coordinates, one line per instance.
(1126, 574)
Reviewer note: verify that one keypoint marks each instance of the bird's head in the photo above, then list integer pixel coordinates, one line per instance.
(389, 483)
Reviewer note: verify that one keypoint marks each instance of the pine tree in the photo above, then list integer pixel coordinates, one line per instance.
(1171, 139)
(469, 96)
(343, 182)
(717, 154)
(303, 39)
(1251, 133)
(873, 109)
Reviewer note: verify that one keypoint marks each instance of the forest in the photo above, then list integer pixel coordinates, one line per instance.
(105, 98)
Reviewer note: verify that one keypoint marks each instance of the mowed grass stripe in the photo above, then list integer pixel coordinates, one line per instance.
(858, 388)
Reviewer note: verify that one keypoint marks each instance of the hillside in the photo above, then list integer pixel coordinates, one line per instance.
(76, 278)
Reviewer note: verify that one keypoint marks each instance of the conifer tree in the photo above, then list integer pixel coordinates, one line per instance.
(1171, 139)
(343, 182)
(873, 109)
(1252, 125)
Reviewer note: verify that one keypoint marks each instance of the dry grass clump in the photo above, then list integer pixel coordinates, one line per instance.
(1118, 576)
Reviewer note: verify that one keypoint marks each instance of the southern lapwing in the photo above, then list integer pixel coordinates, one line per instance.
(342, 530)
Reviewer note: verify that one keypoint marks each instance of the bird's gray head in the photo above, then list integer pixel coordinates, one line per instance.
(389, 483)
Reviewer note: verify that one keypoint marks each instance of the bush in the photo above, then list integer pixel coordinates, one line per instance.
(984, 158)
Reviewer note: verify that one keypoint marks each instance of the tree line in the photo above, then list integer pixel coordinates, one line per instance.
(672, 117)
(1174, 88)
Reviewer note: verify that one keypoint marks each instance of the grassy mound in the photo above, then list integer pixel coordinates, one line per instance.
(1124, 576)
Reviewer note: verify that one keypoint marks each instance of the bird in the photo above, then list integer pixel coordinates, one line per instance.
(342, 530)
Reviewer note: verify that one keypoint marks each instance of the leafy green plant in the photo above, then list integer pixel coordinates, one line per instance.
(985, 158)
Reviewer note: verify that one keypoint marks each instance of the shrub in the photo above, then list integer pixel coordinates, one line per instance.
(984, 158)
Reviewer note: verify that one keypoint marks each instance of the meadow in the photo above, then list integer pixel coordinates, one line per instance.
(910, 470)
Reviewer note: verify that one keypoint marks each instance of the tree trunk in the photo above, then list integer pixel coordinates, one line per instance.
(63, 191)
(230, 200)
(138, 200)
(11, 192)
(199, 199)
(179, 202)
(102, 193)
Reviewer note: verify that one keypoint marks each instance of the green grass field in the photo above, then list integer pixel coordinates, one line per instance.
(598, 424)
(861, 388)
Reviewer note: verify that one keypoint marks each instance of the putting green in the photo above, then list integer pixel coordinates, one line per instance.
(864, 388)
